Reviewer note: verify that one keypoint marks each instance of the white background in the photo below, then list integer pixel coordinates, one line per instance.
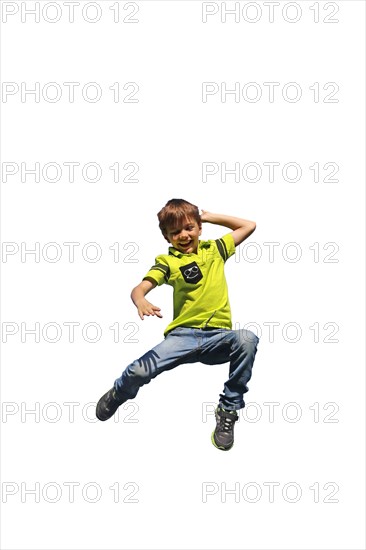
(161, 443)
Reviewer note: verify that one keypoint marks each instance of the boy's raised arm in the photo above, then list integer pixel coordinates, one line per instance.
(241, 228)
(138, 297)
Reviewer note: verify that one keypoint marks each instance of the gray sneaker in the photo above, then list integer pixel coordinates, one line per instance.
(108, 404)
(223, 435)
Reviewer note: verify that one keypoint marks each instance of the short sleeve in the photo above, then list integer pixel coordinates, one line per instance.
(159, 272)
(226, 246)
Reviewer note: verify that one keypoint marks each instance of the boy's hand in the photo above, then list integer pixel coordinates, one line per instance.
(204, 215)
(146, 308)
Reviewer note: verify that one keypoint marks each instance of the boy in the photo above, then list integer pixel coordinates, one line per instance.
(201, 327)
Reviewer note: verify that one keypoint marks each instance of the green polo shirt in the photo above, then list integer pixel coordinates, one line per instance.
(200, 296)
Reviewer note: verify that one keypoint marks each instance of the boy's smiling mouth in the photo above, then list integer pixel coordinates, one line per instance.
(186, 244)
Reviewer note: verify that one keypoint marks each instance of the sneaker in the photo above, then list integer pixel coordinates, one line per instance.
(223, 435)
(108, 404)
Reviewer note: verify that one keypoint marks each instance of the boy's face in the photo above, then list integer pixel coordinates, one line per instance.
(185, 237)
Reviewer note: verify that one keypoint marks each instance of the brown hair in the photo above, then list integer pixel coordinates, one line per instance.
(175, 212)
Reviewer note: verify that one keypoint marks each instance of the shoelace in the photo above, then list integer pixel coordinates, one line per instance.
(227, 421)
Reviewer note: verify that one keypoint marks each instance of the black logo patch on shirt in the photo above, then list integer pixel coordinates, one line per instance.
(191, 273)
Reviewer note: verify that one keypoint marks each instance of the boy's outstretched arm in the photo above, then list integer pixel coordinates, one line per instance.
(241, 228)
(138, 297)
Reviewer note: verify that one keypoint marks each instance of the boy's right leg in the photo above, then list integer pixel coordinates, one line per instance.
(179, 346)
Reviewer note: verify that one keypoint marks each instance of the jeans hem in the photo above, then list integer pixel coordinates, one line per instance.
(235, 407)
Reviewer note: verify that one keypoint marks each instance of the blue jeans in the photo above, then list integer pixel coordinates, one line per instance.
(190, 345)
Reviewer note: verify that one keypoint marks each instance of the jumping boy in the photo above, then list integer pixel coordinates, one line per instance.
(201, 329)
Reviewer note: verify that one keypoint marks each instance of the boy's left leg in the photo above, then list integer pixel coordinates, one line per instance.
(239, 347)
(242, 354)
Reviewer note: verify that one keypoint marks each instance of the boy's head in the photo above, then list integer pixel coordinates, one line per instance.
(180, 223)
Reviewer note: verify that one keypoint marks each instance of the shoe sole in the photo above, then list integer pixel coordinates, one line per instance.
(217, 446)
(100, 418)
